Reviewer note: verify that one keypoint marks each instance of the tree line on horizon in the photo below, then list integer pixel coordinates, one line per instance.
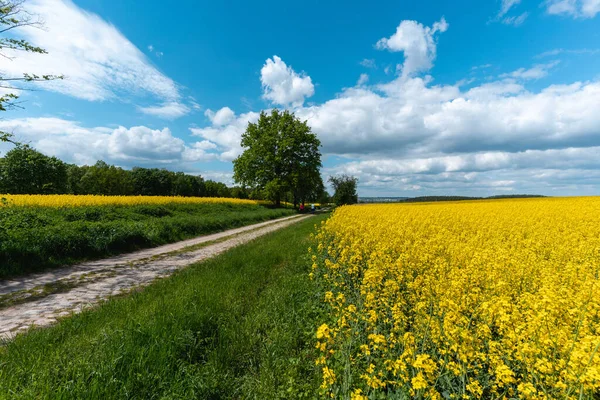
(24, 170)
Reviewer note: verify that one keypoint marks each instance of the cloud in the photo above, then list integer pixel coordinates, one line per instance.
(170, 110)
(483, 66)
(506, 6)
(226, 137)
(408, 133)
(417, 42)
(515, 20)
(157, 53)
(568, 158)
(536, 72)
(368, 63)
(502, 16)
(222, 117)
(364, 78)
(135, 146)
(556, 52)
(282, 85)
(200, 151)
(573, 8)
(493, 90)
(98, 62)
(142, 143)
(548, 171)
(219, 176)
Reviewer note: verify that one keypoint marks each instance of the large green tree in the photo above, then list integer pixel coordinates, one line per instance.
(281, 154)
(27, 171)
(345, 189)
(12, 16)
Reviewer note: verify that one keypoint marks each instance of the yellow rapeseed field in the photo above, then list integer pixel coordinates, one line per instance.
(487, 299)
(66, 200)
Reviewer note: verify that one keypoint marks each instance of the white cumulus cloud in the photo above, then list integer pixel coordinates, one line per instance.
(282, 85)
(222, 117)
(134, 146)
(226, 137)
(417, 42)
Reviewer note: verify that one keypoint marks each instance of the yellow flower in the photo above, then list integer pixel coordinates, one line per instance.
(527, 390)
(357, 395)
(507, 291)
(418, 382)
(328, 377)
(475, 389)
(67, 200)
(323, 332)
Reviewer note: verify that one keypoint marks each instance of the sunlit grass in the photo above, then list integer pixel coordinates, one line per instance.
(237, 326)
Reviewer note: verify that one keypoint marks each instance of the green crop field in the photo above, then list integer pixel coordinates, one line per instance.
(34, 237)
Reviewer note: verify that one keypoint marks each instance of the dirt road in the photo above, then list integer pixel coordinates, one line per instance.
(39, 299)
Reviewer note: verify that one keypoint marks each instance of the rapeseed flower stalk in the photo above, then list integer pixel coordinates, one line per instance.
(485, 299)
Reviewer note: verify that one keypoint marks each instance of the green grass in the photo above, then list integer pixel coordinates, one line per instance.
(36, 238)
(238, 326)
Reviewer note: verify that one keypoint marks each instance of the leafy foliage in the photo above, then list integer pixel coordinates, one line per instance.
(25, 170)
(13, 15)
(345, 189)
(281, 154)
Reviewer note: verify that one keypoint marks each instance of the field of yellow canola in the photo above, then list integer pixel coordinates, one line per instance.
(488, 299)
(66, 200)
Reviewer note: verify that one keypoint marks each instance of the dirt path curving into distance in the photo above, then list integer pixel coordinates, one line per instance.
(40, 299)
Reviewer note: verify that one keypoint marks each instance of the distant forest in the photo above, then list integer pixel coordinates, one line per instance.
(24, 170)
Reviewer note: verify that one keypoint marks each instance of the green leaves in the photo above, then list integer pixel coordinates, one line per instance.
(281, 154)
(345, 189)
(20, 44)
(7, 101)
(4, 136)
(26, 171)
(13, 15)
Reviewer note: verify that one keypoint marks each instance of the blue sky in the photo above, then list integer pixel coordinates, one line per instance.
(413, 98)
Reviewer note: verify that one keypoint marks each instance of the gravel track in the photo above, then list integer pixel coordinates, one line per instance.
(83, 285)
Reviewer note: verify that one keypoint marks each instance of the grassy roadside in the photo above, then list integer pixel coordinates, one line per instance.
(36, 238)
(237, 326)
